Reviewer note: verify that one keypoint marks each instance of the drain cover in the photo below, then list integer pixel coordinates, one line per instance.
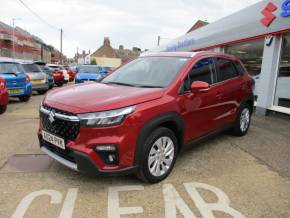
(27, 163)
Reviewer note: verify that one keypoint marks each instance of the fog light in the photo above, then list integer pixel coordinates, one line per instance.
(105, 148)
(108, 154)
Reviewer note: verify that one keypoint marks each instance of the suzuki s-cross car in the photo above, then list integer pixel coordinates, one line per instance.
(139, 117)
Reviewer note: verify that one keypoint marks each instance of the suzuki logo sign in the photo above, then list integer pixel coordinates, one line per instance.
(269, 17)
(286, 9)
(51, 116)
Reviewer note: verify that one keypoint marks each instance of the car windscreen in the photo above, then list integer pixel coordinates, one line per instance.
(88, 70)
(10, 68)
(148, 72)
(31, 68)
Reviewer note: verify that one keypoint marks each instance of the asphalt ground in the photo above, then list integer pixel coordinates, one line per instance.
(223, 177)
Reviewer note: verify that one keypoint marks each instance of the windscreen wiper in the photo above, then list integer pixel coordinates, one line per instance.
(150, 86)
(121, 84)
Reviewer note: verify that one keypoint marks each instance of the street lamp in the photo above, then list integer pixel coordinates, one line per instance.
(13, 36)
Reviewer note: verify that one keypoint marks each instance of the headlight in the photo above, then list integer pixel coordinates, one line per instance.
(105, 118)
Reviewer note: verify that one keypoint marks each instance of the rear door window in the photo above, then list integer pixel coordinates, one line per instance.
(226, 69)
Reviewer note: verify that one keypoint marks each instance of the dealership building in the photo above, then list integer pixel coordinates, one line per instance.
(260, 36)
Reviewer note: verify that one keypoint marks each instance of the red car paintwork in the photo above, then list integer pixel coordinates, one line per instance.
(70, 73)
(4, 97)
(58, 77)
(201, 112)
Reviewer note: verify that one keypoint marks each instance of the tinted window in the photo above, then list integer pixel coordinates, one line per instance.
(148, 72)
(203, 71)
(226, 69)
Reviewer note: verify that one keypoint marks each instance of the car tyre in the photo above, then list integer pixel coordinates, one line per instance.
(24, 98)
(3, 109)
(41, 92)
(243, 121)
(59, 84)
(160, 151)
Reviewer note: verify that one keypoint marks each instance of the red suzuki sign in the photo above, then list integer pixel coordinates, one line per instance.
(268, 13)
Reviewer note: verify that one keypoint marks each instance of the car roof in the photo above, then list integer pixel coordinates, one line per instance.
(53, 65)
(185, 54)
(15, 61)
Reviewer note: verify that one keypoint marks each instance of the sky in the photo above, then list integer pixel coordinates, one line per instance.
(131, 23)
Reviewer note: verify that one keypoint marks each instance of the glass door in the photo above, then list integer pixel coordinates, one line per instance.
(282, 92)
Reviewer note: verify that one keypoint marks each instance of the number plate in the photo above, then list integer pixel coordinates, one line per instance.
(57, 141)
(14, 91)
(36, 81)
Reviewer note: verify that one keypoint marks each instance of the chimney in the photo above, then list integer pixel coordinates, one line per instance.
(107, 41)
(121, 47)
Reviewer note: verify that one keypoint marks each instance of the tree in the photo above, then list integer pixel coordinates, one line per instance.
(93, 62)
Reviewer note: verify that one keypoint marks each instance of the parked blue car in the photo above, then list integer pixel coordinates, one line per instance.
(18, 83)
(90, 73)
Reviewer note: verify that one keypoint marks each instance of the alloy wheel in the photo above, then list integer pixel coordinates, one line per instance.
(161, 156)
(245, 119)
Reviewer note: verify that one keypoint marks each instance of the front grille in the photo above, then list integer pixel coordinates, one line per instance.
(66, 154)
(67, 130)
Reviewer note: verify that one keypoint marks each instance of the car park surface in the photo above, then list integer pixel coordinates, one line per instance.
(253, 172)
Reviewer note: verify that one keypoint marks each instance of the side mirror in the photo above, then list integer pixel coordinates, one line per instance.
(199, 86)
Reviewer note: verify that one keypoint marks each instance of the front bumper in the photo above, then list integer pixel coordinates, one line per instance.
(40, 87)
(80, 162)
(4, 97)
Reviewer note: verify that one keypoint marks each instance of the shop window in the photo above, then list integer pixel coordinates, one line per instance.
(251, 55)
(226, 69)
(282, 93)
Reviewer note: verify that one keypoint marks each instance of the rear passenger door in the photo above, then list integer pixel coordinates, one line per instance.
(230, 85)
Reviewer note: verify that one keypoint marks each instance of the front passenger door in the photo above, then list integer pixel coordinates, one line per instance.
(201, 110)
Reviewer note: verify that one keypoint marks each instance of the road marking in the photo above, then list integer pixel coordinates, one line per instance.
(173, 201)
(69, 203)
(206, 209)
(55, 198)
(114, 209)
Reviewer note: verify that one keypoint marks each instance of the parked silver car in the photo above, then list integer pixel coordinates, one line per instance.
(38, 78)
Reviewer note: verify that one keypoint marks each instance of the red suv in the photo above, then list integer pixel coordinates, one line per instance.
(143, 114)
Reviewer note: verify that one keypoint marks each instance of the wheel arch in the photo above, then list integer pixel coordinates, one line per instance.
(171, 120)
(249, 100)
